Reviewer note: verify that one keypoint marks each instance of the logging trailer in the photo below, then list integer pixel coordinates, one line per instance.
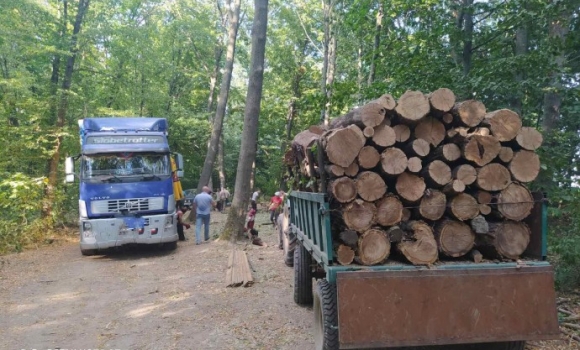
(489, 305)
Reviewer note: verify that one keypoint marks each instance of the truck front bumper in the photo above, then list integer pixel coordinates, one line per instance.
(107, 233)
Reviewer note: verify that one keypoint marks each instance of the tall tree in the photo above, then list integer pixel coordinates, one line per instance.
(235, 221)
(234, 17)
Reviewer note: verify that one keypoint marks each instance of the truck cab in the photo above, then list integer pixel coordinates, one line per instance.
(126, 183)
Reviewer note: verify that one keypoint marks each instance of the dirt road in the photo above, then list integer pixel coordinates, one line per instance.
(150, 299)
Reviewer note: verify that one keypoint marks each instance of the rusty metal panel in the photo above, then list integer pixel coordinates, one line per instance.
(434, 307)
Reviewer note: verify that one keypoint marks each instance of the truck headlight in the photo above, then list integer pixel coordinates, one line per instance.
(83, 209)
(168, 221)
(87, 229)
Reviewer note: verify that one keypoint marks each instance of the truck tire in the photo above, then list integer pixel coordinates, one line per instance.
(88, 252)
(170, 246)
(325, 316)
(302, 276)
(289, 247)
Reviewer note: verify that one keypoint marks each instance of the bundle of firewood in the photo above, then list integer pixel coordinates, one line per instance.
(425, 174)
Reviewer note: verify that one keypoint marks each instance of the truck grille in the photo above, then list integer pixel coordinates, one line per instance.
(130, 204)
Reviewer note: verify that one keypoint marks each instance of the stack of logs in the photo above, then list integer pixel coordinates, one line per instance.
(425, 174)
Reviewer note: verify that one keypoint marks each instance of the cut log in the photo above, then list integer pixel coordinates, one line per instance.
(412, 107)
(359, 215)
(370, 186)
(414, 164)
(316, 129)
(506, 154)
(448, 152)
(463, 207)
(470, 112)
(418, 147)
(484, 209)
(479, 225)
(437, 174)
(344, 255)
(447, 118)
(476, 256)
(465, 173)
(406, 214)
(433, 204)
(515, 202)
(305, 139)
(529, 138)
(349, 237)
(334, 170)
(387, 102)
(402, 133)
(393, 161)
(493, 177)
(457, 134)
(368, 157)
(343, 189)
(454, 238)
(368, 131)
(481, 149)
(504, 124)
(395, 234)
(342, 146)
(430, 130)
(389, 210)
(351, 170)
(384, 136)
(373, 247)
(410, 187)
(370, 114)
(442, 100)
(508, 239)
(483, 197)
(525, 166)
(453, 188)
(422, 248)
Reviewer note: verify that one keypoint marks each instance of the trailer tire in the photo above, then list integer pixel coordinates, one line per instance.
(88, 252)
(510, 345)
(302, 276)
(325, 316)
(289, 247)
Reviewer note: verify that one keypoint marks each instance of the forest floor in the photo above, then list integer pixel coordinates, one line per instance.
(146, 298)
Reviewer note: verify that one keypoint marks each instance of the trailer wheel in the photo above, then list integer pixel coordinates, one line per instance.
(325, 316)
(510, 345)
(88, 252)
(289, 247)
(302, 276)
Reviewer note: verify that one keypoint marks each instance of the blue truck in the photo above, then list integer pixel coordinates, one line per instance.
(126, 183)
(493, 305)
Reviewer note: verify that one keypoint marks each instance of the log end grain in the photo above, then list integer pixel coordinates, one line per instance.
(370, 186)
(389, 211)
(493, 177)
(464, 207)
(343, 189)
(529, 138)
(430, 130)
(410, 187)
(465, 173)
(344, 255)
(442, 99)
(481, 149)
(470, 112)
(412, 106)
(402, 133)
(384, 136)
(393, 161)
(504, 124)
(515, 202)
(368, 157)
(525, 166)
(454, 238)
(422, 250)
(359, 215)
(373, 247)
(344, 145)
(433, 204)
(414, 164)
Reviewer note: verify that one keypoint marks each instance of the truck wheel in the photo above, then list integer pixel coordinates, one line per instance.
(325, 316)
(289, 247)
(88, 252)
(170, 246)
(302, 276)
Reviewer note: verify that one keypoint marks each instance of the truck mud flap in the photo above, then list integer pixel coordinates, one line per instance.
(434, 307)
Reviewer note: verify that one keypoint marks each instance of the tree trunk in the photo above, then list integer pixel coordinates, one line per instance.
(393, 161)
(529, 138)
(493, 177)
(234, 15)
(373, 247)
(370, 186)
(515, 202)
(433, 204)
(454, 238)
(463, 207)
(525, 166)
(359, 215)
(343, 189)
(368, 157)
(389, 210)
(410, 187)
(235, 222)
(470, 113)
(442, 100)
(412, 107)
(508, 239)
(343, 145)
(430, 130)
(375, 57)
(504, 124)
(221, 165)
(422, 248)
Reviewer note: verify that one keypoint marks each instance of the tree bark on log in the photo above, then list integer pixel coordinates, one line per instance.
(368, 157)
(448, 152)
(463, 207)
(465, 173)
(402, 133)
(351, 170)
(504, 124)
(422, 248)
(343, 189)
(529, 138)
(412, 107)
(442, 100)
(370, 186)
(481, 149)
(525, 166)
(349, 237)
(342, 146)
(389, 210)
(470, 112)
(373, 247)
(430, 130)
(410, 187)
(418, 147)
(454, 238)
(359, 215)
(508, 239)
(393, 161)
(515, 202)
(493, 177)
(414, 164)
(433, 205)
(453, 188)
(395, 234)
(437, 174)
(344, 255)
(370, 114)
(384, 136)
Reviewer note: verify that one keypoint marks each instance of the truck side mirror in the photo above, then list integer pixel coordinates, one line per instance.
(69, 169)
(179, 165)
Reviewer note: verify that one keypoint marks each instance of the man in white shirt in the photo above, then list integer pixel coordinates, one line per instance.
(255, 198)
(223, 196)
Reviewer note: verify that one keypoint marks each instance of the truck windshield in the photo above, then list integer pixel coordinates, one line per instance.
(125, 167)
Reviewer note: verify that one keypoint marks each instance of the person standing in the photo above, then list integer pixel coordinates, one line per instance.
(203, 203)
(254, 200)
(275, 202)
(223, 196)
(182, 210)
